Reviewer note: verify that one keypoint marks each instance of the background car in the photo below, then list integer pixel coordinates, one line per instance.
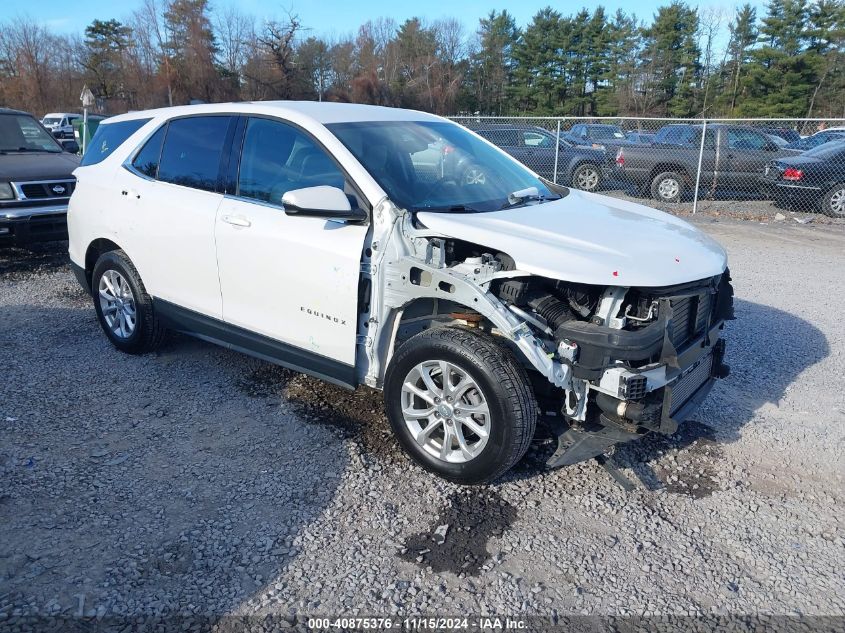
(60, 123)
(595, 134)
(36, 181)
(814, 180)
(640, 137)
(732, 161)
(534, 147)
(819, 138)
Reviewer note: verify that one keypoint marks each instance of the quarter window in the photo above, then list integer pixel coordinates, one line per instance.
(108, 138)
(277, 158)
(192, 150)
(147, 159)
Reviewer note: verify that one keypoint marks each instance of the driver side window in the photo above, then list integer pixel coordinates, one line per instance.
(277, 158)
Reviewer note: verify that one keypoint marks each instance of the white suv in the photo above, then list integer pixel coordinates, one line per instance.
(324, 237)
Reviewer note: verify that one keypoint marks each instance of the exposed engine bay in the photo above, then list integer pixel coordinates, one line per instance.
(611, 363)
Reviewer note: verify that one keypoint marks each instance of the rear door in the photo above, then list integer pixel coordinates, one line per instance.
(291, 279)
(169, 199)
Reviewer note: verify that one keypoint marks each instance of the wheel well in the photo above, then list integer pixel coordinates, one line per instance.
(95, 250)
(661, 167)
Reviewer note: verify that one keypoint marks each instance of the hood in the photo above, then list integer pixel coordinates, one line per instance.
(591, 239)
(23, 167)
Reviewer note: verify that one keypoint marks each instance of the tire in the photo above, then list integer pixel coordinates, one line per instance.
(497, 383)
(586, 177)
(667, 186)
(473, 174)
(833, 202)
(115, 276)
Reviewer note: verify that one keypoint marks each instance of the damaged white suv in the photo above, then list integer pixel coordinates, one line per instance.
(395, 249)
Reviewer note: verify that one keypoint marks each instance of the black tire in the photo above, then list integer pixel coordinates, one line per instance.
(148, 332)
(587, 177)
(503, 382)
(833, 202)
(668, 186)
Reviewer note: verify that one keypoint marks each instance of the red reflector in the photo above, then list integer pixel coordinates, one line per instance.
(448, 149)
(790, 173)
(620, 157)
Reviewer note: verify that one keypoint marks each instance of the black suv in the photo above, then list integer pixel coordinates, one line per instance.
(534, 147)
(35, 181)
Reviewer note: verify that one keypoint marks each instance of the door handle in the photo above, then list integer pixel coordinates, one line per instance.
(236, 220)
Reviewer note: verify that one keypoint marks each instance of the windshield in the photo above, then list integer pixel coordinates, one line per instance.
(434, 165)
(21, 133)
(51, 120)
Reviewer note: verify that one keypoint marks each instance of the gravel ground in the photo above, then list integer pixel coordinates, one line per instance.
(199, 481)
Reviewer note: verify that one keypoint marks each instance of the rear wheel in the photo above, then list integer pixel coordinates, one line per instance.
(586, 177)
(833, 202)
(460, 404)
(667, 186)
(124, 309)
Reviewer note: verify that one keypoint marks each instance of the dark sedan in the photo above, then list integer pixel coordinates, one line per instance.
(534, 147)
(814, 180)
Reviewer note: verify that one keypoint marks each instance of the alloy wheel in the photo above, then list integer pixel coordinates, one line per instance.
(587, 179)
(445, 411)
(669, 188)
(837, 202)
(117, 304)
(474, 176)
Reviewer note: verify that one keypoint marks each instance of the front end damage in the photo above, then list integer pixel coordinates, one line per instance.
(611, 364)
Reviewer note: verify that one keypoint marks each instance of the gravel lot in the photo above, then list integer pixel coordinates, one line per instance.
(200, 481)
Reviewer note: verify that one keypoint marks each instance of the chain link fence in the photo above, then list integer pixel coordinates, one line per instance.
(687, 165)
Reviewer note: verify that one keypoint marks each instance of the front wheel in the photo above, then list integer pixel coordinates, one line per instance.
(460, 404)
(586, 177)
(833, 202)
(667, 187)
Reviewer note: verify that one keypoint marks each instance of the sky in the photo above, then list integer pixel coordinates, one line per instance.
(337, 17)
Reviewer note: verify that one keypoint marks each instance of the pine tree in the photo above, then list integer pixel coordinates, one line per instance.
(105, 46)
(492, 66)
(670, 62)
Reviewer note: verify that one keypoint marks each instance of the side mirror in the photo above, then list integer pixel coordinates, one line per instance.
(320, 202)
(71, 147)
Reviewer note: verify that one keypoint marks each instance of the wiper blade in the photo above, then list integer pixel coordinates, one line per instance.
(6, 150)
(455, 208)
(522, 196)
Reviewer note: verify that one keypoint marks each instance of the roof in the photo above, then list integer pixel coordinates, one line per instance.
(11, 111)
(321, 112)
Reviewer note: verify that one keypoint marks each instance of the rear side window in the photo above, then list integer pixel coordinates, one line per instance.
(146, 161)
(192, 150)
(107, 138)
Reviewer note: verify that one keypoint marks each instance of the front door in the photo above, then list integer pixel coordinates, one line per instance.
(290, 278)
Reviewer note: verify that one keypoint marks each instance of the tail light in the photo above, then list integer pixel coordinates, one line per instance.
(620, 158)
(790, 173)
